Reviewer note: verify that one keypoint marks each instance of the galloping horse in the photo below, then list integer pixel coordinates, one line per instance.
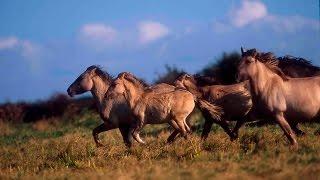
(287, 100)
(234, 100)
(113, 109)
(171, 106)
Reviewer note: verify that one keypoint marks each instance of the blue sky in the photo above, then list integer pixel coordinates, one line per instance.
(45, 45)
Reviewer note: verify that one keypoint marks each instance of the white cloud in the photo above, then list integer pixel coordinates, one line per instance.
(150, 31)
(29, 50)
(250, 11)
(255, 12)
(8, 42)
(98, 35)
(291, 23)
(26, 48)
(99, 32)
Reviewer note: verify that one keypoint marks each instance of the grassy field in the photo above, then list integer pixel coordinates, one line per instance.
(55, 150)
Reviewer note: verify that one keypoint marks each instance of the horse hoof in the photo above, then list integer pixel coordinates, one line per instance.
(301, 134)
(232, 139)
(99, 145)
(294, 147)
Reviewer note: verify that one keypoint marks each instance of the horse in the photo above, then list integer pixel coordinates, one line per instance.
(234, 100)
(113, 110)
(287, 100)
(170, 106)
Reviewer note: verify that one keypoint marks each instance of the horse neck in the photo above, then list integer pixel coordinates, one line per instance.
(260, 80)
(99, 89)
(133, 93)
(194, 90)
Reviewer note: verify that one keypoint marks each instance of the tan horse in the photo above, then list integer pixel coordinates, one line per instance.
(96, 81)
(113, 110)
(287, 100)
(171, 106)
(235, 101)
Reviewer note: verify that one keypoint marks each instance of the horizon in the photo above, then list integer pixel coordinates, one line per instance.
(46, 45)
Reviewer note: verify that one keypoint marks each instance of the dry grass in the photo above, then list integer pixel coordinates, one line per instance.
(66, 150)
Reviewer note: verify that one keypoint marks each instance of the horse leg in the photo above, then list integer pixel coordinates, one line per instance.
(127, 137)
(101, 128)
(296, 130)
(134, 130)
(172, 137)
(238, 125)
(182, 128)
(176, 131)
(208, 123)
(206, 128)
(223, 123)
(287, 130)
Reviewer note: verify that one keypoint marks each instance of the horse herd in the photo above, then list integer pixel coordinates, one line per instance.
(266, 89)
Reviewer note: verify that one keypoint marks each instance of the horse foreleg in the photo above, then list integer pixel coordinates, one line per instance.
(126, 136)
(172, 137)
(287, 130)
(101, 128)
(235, 130)
(134, 131)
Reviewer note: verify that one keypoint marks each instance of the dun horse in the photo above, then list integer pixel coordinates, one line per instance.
(287, 100)
(151, 107)
(235, 101)
(114, 109)
(98, 82)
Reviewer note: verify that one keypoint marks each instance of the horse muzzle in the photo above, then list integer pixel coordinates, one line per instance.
(70, 93)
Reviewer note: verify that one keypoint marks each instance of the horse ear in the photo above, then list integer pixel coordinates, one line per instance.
(120, 75)
(243, 50)
(255, 53)
(93, 71)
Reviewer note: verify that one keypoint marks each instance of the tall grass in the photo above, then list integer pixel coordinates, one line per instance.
(62, 149)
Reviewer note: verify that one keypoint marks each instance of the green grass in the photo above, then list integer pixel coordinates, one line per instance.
(66, 150)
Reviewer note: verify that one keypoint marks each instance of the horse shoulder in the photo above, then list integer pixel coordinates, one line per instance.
(275, 95)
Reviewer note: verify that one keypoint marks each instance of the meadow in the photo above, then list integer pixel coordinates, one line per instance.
(64, 148)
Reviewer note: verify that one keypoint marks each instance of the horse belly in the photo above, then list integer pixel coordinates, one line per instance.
(121, 114)
(302, 110)
(157, 114)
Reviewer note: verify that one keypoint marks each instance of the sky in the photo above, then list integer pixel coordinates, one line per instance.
(45, 45)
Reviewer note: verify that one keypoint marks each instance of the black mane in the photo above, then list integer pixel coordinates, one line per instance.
(101, 73)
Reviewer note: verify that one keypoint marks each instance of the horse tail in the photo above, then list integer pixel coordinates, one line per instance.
(215, 111)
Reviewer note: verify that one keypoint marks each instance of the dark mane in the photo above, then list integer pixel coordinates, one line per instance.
(204, 80)
(269, 60)
(130, 77)
(298, 61)
(101, 73)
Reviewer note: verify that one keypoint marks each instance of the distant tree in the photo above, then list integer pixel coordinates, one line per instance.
(224, 69)
(171, 74)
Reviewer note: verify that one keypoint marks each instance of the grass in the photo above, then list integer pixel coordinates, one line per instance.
(59, 150)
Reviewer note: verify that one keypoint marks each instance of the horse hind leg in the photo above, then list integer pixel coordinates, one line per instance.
(176, 131)
(187, 127)
(182, 128)
(297, 130)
